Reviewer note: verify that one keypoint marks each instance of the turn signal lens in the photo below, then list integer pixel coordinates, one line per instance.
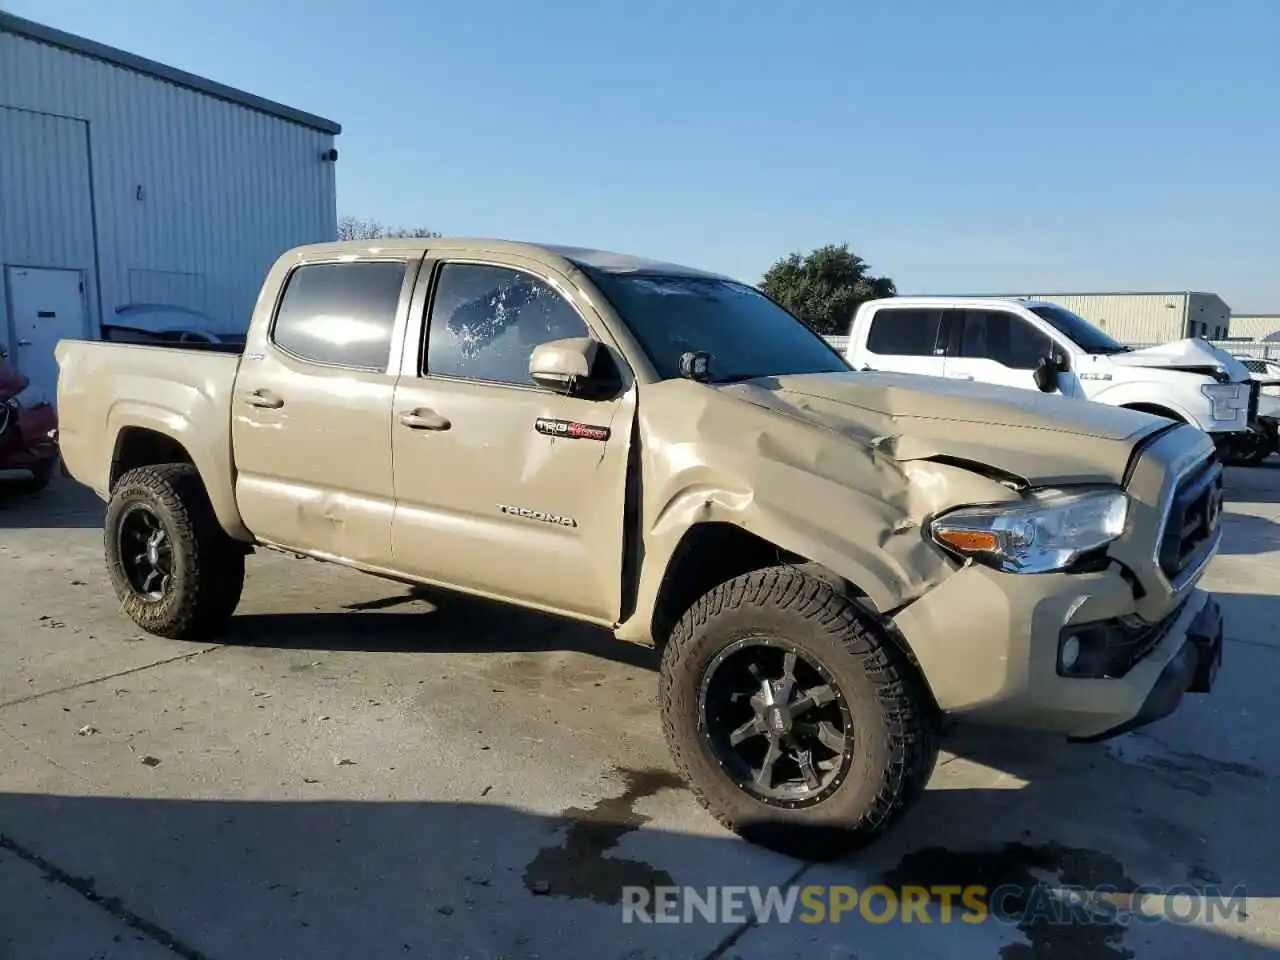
(969, 541)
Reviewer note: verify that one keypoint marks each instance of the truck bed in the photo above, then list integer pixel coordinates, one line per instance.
(116, 393)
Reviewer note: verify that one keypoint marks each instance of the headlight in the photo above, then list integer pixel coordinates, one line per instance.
(1225, 398)
(1049, 530)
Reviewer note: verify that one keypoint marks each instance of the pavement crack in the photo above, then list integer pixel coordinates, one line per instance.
(112, 905)
(110, 676)
(725, 945)
(39, 753)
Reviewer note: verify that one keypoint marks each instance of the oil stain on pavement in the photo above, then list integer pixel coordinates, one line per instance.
(1024, 866)
(578, 867)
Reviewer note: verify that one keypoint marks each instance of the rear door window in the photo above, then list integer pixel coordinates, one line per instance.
(904, 332)
(340, 314)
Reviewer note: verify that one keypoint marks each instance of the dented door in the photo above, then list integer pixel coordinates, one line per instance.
(311, 412)
(503, 487)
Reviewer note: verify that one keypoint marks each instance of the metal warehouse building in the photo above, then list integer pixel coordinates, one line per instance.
(1146, 318)
(123, 181)
(1256, 326)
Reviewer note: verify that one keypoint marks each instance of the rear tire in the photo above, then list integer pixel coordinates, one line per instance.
(184, 578)
(890, 740)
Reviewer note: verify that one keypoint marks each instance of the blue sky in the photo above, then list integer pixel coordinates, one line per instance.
(983, 146)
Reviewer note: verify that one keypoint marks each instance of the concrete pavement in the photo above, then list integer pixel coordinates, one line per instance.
(362, 769)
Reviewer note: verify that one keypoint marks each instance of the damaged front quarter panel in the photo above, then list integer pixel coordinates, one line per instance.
(843, 493)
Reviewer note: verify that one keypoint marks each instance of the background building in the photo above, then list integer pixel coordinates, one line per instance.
(124, 181)
(1256, 326)
(1146, 318)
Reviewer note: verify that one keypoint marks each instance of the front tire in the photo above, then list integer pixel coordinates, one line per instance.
(175, 571)
(1251, 450)
(776, 670)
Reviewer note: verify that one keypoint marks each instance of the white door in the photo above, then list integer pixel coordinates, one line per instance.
(45, 306)
(998, 346)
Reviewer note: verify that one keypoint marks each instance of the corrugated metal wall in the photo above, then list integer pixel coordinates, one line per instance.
(1208, 316)
(1257, 326)
(184, 185)
(46, 198)
(1129, 317)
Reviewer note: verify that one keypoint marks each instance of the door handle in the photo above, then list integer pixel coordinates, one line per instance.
(264, 399)
(962, 376)
(24, 343)
(421, 418)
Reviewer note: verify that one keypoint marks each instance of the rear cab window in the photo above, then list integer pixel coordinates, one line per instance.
(340, 314)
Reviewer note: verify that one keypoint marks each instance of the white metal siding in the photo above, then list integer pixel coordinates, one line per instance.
(1130, 318)
(1261, 326)
(185, 185)
(1208, 317)
(46, 208)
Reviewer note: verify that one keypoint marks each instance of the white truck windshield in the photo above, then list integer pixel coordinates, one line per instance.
(1077, 329)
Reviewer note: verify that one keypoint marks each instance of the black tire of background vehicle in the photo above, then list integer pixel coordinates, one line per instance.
(1251, 452)
(40, 478)
(208, 566)
(895, 721)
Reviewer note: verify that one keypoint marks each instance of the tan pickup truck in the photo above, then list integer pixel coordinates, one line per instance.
(829, 562)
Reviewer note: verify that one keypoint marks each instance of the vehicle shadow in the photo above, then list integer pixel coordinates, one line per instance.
(64, 504)
(436, 622)
(1260, 484)
(1246, 536)
(341, 878)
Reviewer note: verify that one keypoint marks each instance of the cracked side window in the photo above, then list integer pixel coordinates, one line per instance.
(486, 321)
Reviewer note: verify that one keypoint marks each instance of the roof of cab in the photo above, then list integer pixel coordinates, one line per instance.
(584, 257)
(976, 302)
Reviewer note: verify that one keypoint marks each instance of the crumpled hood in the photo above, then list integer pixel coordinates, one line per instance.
(1040, 438)
(1192, 352)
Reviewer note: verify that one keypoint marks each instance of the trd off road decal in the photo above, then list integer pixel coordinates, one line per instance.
(571, 429)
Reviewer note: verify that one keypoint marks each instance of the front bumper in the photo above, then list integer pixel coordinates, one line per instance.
(1193, 669)
(988, 645)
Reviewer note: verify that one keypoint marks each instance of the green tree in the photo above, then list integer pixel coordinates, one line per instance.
(825, 287)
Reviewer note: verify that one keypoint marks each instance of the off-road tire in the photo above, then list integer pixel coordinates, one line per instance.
(208, 566)
(896, 724)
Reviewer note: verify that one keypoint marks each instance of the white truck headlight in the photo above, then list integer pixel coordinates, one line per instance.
(1225, 398)
(1048, 530)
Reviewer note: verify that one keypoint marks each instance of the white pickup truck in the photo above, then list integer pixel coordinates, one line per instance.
(1043, 346)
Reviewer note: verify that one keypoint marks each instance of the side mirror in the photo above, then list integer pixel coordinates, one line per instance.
(1046, 374)
(563, 365)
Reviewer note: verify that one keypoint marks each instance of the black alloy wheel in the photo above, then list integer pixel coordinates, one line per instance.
(146, 552)
(776, 721)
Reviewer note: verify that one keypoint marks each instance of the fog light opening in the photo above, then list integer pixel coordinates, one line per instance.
(1069, 656)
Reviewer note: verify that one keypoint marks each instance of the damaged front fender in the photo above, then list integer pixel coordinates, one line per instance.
(821, 495)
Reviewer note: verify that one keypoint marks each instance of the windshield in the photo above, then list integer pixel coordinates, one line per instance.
(1076, 328)
(746, 333)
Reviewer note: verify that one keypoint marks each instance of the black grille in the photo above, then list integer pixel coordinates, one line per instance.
(1194, 517)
